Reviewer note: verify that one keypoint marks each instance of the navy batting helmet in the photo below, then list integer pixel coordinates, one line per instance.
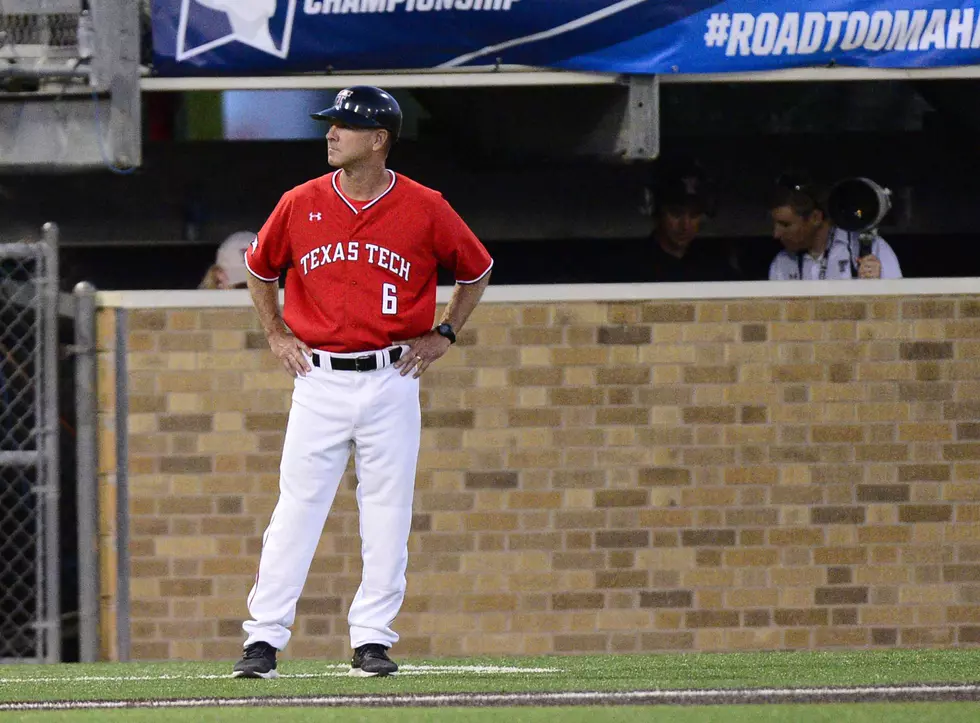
(364, 106)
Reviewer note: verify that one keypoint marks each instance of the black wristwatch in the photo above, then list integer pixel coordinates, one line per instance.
(447, 331)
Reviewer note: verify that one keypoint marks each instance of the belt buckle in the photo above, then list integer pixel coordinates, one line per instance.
(361, 363)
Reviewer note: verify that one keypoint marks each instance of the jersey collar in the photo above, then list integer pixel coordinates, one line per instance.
(335, 182)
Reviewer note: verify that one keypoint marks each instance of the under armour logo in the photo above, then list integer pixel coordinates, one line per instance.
(315, 216)
(341, 97)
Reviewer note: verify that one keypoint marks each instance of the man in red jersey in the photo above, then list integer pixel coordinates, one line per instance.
(360, 247)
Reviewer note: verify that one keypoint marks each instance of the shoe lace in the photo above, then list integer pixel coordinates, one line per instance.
(376, 650)
(257, 650)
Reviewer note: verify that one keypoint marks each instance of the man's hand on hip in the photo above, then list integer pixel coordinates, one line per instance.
(291, 352)
(422, 351)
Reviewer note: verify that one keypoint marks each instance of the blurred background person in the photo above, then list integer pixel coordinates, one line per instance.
(682, 203)
(228, 270)
(815, 249)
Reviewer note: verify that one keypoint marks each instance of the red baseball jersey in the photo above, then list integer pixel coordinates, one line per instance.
(361, 275)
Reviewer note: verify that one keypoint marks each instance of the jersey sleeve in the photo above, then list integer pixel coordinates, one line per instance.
(456, 247)
(269, 252)
(890, 268)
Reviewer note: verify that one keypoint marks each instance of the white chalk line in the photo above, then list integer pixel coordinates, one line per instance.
(334, 671)
(903, 693)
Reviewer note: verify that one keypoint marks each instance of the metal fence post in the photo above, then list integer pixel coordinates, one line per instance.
(49, 431)
(87, 490)
(122, 487)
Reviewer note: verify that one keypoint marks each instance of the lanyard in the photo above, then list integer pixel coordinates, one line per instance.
(824, 257)
(824, 260)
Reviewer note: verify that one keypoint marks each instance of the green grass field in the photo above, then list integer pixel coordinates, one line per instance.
(833, 713)
(554, 674)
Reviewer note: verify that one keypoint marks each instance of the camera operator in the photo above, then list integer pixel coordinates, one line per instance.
(814, 247)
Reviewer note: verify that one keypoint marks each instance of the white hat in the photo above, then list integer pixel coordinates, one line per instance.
(231, 256)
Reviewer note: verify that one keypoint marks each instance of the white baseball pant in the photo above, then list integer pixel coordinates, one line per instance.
(378, 413)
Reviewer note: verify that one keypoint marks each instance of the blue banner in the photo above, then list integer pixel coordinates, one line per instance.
(246, 37)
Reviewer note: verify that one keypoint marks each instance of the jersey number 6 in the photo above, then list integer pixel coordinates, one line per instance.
(389, 302)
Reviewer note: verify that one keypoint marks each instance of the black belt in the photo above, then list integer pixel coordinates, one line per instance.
(366, 363)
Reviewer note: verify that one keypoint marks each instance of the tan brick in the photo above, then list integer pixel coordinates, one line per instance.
(623, 415)
(534, 418)
(668, 312)
(841, 433)
(712, 619)
(710, 538)
(622, 579)
(840, 555)
(575, 397)
(669, 476)
(961, 451)
(925, 391)
(754, 333)
(664, 353)
(833, 310)
(883, 534)
(841, 637)
(751, 597)
(578, 601)
(629, 335)
(750, 557)
(524, 336)
(926, 637)
(660, 518)
(621, 498)
(587, 356)
(798, 372)
(755, 311)
(185, 588)
(623, 375)
(925, 432)
(148, 320)
(710, 375)
(797, 331)
(184, 547)
(882, 493)
(925, 513)
(709, 415)
(751, 475)
(928, 309)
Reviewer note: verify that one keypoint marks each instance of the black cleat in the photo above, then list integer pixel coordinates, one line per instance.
(371, 660)
(259, 661)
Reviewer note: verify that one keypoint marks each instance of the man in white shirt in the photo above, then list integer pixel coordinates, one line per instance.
(813, 248)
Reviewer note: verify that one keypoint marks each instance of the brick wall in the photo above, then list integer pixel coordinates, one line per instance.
(637, 476)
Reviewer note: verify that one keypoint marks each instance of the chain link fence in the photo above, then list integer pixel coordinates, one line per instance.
(29, 574)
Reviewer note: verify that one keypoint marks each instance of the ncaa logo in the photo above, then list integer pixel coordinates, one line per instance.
(256, 23)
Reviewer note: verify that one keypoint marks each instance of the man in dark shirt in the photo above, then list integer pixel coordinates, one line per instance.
(681, 204)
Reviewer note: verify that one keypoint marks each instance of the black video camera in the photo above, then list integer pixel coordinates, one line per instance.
(858, 205)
